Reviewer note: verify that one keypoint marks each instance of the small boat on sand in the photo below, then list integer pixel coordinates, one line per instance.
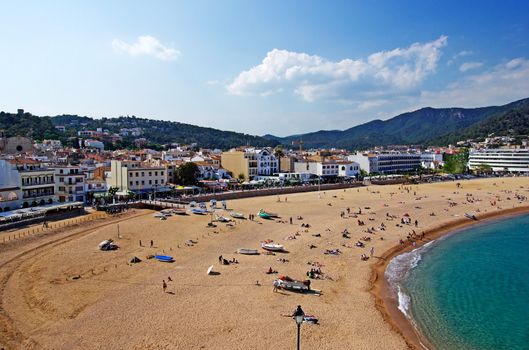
(265, 215)
(179, 211)
(247, 251)
(199, 211)
(273, 247)
(164, 258)
(221, 218)
(236, 215)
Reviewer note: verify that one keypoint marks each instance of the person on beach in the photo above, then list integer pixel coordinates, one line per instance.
(152, 243)
(276, 285)
(140, 243)
(372, 251)
(164, 286)
(291, 220)
(220, 259)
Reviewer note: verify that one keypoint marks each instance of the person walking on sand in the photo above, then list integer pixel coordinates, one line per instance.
(276, 285)
(140, 243)
(152, 243)
(164, 286)
(372, 251)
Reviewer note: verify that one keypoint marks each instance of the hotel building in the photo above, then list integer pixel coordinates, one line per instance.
(500, 159)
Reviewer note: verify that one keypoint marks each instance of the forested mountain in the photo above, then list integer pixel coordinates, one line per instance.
(424, 126)
(157, 132)
(514, 122)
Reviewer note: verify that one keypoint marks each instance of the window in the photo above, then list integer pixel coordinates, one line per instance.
(142, 182)
(150, 173)
(156, 182)
(137, 183)
(142, 174)
(343, 168)
(150, 182)
(155, 173)
(161, 181)
(131, 183)
(161, 173)
(136, 174)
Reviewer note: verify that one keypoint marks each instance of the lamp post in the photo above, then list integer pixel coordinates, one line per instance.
(298, 316)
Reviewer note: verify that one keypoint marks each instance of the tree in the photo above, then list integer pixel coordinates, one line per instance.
(241, 177)
(278, 153)
(112, 191)
(456, 163)
(187, 173)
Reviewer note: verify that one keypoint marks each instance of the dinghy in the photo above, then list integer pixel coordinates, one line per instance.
(236, 215)
(199, 211)
(274, 247)
(247, 251)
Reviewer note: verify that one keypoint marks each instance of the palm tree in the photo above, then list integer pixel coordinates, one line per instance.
(278, 153)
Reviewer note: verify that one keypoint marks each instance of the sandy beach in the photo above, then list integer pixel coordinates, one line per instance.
(58, 291)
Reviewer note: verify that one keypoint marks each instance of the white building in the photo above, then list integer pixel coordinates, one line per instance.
(432, 160)
(328, 168)
(69, 184)
(500, 159)
(10, 187)
(37, 182)
(387, 163)
(267, 163)
(95, 144)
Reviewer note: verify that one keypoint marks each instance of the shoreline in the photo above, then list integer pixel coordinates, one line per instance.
(385, 301)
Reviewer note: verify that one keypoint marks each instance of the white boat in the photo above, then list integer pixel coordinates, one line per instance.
(179, 211)
(274, 247)
(236, 215)
(223, 219)
(247, 251)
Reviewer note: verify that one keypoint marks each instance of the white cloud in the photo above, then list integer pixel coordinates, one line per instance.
(469, 65)
(313, 77)
(146, 45)
(501, 84)
(459, 54)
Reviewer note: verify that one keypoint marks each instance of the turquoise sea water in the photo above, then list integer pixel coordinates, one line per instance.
(469, 290)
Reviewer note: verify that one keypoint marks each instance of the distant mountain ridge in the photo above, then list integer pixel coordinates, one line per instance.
(426, 126)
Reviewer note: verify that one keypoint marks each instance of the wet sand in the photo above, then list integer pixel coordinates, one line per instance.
(60, 292)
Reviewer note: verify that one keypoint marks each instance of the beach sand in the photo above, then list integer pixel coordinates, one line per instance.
(58, 291)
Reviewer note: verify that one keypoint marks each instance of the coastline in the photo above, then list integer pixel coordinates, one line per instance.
(385, 301)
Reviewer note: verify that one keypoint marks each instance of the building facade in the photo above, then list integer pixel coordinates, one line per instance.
(70, 184)
(500, 159)
(328, 168)
(37, 182)
(10, 187)
(387, 163)
(136, 177)
(250, 163)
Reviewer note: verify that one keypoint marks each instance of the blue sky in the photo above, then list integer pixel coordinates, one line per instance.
(279, 67)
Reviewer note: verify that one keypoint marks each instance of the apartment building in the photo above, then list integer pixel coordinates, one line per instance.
(69, 184)
(37, 182)
(250, 162)
(500, 159)
(330, 168)
(387, 163)
(10, 187)
(137, 177)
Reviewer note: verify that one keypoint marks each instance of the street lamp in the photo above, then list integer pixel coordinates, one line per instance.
(298, 316)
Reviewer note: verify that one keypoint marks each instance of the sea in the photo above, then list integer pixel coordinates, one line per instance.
(468, 289)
